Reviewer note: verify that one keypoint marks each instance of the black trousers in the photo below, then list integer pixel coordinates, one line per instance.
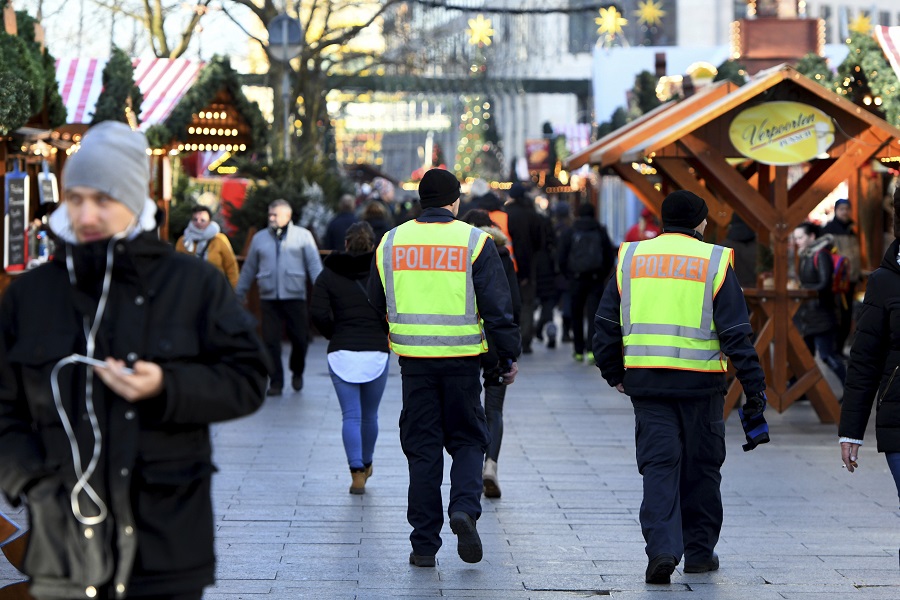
(277, 316)
(585, 300)
(680, 451)
(441, 411)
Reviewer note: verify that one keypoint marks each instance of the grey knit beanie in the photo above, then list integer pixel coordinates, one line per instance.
(112, 159)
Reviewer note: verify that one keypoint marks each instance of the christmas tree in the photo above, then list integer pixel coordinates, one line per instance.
(867, 79)
(478, 153)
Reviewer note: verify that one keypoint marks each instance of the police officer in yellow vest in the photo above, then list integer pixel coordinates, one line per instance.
(664, 327)
(441, 284)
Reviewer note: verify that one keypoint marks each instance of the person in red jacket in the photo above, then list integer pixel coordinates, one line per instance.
(646, 228)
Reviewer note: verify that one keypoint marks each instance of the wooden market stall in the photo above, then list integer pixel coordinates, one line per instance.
(185, 106)
(772, 185)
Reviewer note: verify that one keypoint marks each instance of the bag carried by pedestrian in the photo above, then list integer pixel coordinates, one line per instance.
(586, 254)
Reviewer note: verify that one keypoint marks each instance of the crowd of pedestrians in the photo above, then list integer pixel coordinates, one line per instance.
(123, 490)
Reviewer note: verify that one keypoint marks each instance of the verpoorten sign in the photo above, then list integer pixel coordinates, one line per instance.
(782, 133)
(15, 221)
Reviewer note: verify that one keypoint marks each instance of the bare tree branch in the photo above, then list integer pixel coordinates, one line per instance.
(263, 43)
(188, 32)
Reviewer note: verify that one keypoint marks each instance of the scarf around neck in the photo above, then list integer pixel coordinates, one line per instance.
(196, 238)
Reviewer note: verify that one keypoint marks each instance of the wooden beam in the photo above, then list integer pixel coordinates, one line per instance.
(859, 152)
(752, 207)
(680, 173)
(639, 184)
(816, 169)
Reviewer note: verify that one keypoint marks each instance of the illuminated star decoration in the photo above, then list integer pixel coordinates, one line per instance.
(480, 31)
(611, 22)
(861, 24)
(650, 13)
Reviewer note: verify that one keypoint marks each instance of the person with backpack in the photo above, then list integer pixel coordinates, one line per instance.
(815, 319)
(841, 228)
(586, 257)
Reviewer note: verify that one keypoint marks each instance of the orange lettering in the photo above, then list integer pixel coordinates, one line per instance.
(429, 258)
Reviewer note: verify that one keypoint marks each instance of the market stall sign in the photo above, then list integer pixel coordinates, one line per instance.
(782, 133)
(15, 221)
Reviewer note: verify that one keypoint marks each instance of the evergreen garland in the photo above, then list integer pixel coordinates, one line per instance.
(17, 61)
(732, 71)
(816, 68)
(118, 87)
(216, 75)
(15, 92)
(866, 73)
(45, 86)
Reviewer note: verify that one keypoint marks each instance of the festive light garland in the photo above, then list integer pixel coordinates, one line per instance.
(513, 11)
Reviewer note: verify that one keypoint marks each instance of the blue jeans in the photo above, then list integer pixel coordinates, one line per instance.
(893, 461)
(359, 405)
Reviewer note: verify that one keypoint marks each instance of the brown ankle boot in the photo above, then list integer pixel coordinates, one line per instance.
(368, 471)
(359, 482)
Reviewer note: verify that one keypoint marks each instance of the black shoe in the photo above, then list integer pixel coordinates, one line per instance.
(703, 567)
(421, 561)
(297, 382)
(273, 391)
(551, 343)
(526, 350)
(468, 543)
(660, 569)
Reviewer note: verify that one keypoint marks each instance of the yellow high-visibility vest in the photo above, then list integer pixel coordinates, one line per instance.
(667, 286)
(426, 271)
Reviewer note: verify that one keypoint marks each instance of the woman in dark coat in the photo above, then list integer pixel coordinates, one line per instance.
(816, 319)
(494, 390)
(874, 364)
(358, 350)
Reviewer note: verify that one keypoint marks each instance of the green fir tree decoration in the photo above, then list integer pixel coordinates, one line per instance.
(867, 79)
(46, 86)
(478, 153)
(119, 90)
(733, 71)
(816, 68)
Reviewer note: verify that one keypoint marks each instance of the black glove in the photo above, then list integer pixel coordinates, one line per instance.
(753, 421)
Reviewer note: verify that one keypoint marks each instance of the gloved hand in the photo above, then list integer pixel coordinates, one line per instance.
(753, 421)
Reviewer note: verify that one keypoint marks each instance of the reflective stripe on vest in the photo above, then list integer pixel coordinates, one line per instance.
(671, 267)
(420, 251)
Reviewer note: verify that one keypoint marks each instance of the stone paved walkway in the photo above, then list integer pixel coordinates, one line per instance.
(796, 524)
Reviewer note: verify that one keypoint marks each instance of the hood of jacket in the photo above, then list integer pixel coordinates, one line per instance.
(349, 265)
(500, 240)
(825, 241)
(585, 224)
(488, 202)
(891, 260)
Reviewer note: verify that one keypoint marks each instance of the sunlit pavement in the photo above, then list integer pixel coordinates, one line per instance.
(796, 524)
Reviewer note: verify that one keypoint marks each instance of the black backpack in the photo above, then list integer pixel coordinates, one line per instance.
(586, 253)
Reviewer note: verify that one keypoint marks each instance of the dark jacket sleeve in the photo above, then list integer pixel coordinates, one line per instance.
(867, 360)
(607, 342)
(823, 271)
(733, 327)
(565, 247)
(375, 292)
(21, 451)
(227, 378)
(609, 253)
(494, 300)
(320, 307)
(510, 270)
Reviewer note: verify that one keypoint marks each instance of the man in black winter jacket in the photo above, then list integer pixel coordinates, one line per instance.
(677, 385)
(114, 359)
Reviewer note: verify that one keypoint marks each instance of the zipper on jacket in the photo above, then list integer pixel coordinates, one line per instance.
(888, 386)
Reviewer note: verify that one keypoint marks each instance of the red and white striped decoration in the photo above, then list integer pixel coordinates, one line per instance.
(163, 82)
(889, 38)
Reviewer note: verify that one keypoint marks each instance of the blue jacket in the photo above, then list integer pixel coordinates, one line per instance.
(280, 267)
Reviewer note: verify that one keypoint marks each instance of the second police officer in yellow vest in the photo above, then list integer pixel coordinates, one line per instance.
(665, 325)
(441, 284)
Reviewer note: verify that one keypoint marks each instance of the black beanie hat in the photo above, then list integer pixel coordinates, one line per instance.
(438, 188)
(683, 209)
